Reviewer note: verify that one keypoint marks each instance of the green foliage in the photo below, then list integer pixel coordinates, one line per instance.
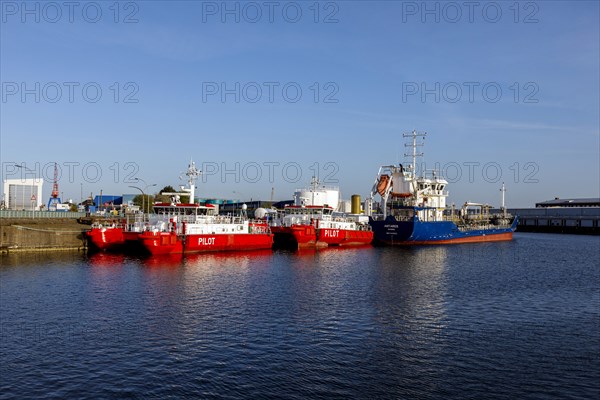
(146, 201)
(163, 198)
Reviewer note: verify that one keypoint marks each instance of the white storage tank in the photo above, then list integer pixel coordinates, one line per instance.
(317, 197)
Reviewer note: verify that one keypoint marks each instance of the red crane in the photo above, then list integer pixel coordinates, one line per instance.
(54, 199)
(55, 185)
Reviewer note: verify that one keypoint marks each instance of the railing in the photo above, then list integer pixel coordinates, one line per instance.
(451, 218)
(467, 228)
(40, 214)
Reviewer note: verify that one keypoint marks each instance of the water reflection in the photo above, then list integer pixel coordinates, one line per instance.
(37, 258)
(104, 259)
(240, 259)
(409, 311)
(163, 261)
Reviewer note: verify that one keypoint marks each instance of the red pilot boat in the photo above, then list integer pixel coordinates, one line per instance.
(311, 222)
(193, 228)
(105, 236)
(116, 235)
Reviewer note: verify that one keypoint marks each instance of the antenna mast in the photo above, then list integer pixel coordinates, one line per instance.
(414, 145)
(503, 190)
(192, 173)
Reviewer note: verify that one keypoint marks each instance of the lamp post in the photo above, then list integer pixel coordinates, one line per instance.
(145, 188)
(143, 193)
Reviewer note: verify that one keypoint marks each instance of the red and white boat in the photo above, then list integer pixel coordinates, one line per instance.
(118, 234)
(313, 222)
(192, 228)
(105, 236)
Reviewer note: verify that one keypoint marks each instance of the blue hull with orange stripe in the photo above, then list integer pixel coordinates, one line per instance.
(390, 231)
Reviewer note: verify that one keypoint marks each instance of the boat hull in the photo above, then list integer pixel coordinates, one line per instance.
(105, 238)
(171, 243)
(296, 236)
(307, 236)
(414, 232)
(344, 237)
(113, 240)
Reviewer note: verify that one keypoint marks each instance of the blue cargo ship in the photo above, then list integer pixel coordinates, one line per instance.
(413, 209)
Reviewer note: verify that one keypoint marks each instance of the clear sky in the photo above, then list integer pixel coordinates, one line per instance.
(283, 88)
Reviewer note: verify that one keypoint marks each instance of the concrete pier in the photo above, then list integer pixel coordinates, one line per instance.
(32, 234)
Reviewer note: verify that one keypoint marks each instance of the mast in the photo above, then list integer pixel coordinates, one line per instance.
(314, 183)
(414, 145)
(503, 190)
(192, 173)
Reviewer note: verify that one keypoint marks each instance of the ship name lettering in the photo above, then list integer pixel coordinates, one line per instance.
(206, 241)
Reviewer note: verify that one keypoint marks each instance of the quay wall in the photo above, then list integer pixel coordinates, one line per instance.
(39, 234)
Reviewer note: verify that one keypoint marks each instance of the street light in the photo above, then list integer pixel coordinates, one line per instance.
(145, 188)
(143, 193)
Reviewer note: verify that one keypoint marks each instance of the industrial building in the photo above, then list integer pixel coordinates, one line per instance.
(22, 194)
(561, 216)
(557, 202)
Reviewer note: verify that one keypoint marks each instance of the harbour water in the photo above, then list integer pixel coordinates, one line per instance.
(516, 319)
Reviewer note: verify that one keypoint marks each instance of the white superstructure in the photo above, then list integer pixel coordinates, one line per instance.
(401, 185)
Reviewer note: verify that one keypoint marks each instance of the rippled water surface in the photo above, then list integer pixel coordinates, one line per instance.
(499, 320)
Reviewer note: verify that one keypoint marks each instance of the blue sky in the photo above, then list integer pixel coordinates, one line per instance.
(367, 70)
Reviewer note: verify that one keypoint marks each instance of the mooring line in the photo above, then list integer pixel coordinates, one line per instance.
(43, 230)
